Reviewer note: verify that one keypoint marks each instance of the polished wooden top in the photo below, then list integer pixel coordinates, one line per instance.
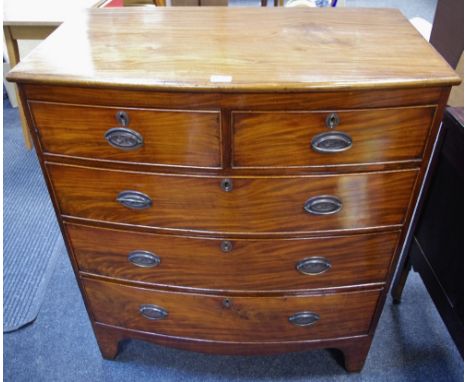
(43, 12)
(237, 49)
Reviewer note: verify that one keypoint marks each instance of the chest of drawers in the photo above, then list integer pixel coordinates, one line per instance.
(235, 181)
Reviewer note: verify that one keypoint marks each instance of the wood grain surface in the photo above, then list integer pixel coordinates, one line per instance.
(251, 265)
(330, 100)
(255, 204)
(283, 139)
(254, 318)
(355, 348)
(253, 49)
(171, 137)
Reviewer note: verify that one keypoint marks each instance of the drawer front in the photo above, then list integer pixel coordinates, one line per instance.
(225, 318)
(262, 204)
(284, 139)
(179, 138)
(242, 265)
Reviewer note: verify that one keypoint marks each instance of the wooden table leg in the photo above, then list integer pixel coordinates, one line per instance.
(13, 55)
(400, 279)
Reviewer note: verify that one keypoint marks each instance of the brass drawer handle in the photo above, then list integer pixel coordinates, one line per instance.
(313, 265)
(304, 318)
(153, 312)
(124, 138)
(331, 142)
(144, 259)
(323, 205)
(134, 199)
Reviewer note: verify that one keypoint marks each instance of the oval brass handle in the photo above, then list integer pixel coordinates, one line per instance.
(304, 318)
(153, 312)
(323, 205)
(144, 259)
(134, 199)
(313, 265)
(124, 138)
(331, 142)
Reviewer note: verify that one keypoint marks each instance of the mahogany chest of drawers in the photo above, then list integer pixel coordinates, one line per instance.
(235, 181)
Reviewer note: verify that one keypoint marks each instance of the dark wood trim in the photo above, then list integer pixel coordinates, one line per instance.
(258, 235)
(226, 171)
(400, 279)
(436, 256)
(354, 349)
(330, 100)
(423, 266)
(249, 293)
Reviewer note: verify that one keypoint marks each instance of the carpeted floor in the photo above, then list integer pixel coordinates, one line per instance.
(30, 230)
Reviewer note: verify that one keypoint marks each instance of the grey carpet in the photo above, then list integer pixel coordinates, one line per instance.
(411, 344)
(30, 231)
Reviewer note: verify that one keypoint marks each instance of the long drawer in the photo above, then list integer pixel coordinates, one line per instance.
(240, 264)
(165, 137)
(226, 318)
(249, 205)
(303, 139)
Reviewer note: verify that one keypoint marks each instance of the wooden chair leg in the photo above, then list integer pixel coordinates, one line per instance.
(13, 56)
(400, 280)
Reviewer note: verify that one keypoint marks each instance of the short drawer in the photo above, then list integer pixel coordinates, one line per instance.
(253, 205)
(164, 137)
(226, 318)
(235, 264)
(304, 139)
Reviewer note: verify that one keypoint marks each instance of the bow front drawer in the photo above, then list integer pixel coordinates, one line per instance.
(244, 205)
(164, 137)
(233, 264)
(226, 318)
(307, 139)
